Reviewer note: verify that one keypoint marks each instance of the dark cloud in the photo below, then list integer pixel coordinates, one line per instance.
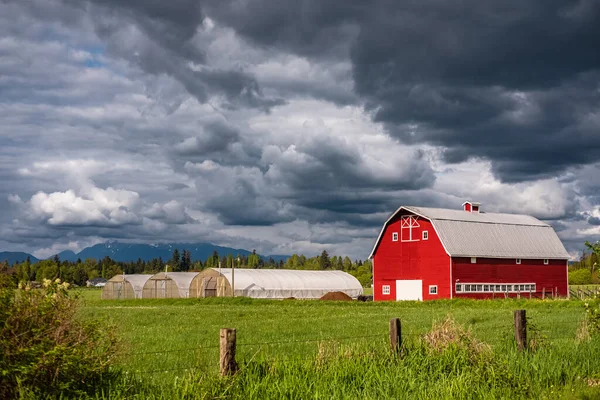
(311, 28)
(513, 82)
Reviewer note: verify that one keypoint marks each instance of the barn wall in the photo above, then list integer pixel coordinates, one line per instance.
(418, 259)
(494, 270)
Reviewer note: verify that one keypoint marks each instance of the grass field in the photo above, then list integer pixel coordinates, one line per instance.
(171, 347)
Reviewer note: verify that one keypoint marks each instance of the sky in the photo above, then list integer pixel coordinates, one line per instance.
(292, 126)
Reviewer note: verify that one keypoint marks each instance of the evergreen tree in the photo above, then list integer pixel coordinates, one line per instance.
(186, 260)
(175, 262)
(324, 261)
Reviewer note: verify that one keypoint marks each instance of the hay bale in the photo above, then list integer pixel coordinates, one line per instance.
(336, 296)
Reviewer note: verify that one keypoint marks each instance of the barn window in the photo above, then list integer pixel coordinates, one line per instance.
(394, 236)
(407, 226)
(473, 260)
(432, 289)
(545, 261)
(385, 289)
(518, 261)
(425, 235)
(458, 287)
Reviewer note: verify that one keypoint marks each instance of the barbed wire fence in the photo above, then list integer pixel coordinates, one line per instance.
(203, 359)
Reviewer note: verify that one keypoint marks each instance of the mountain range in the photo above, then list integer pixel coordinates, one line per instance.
(132, 251)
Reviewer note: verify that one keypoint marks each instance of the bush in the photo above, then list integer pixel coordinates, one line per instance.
(580, 277)
(47, 351)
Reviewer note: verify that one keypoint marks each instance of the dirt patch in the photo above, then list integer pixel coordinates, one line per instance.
(336, 296)
(289, 298)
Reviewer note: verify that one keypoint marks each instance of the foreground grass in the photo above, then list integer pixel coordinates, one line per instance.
(314, 349)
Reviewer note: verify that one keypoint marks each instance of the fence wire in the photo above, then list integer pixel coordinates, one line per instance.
(551, 331)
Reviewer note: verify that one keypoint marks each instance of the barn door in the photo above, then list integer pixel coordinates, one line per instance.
(409, 290)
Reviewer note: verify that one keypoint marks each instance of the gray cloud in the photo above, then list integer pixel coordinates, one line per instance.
(291, 127)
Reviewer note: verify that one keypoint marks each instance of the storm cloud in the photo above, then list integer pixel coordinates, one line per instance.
(292, 126)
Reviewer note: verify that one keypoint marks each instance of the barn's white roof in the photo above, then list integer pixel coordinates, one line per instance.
(183, 280)
(491, 235)
(284, 283)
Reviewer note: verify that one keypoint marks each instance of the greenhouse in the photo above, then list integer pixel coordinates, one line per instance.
(169, 285)
(123, 287)
(274, 283)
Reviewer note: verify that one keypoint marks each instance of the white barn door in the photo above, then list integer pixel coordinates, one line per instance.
(409, 290)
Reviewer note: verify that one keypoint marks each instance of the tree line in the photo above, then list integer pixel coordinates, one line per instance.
(81, 271)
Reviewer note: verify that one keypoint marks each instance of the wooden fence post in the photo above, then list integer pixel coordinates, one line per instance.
(521, 329)
(227, 364)
(395, 335)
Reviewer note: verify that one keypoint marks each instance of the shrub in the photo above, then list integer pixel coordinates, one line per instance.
(580, 277)
(592, 313)
(45, 349)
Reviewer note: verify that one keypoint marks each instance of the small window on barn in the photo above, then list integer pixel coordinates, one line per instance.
(473, 260)
(458, 287)
(394, 236)
(385, 289)
(425, 235)
(545, 261)
(518, 261)
(532, 287)
(432, 289)
(486, 288)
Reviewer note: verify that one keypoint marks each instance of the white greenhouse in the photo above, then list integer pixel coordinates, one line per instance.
(122, 287)
(274, 283)
(170, 285)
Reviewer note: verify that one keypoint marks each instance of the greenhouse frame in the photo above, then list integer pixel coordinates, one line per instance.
(274, 283)
(124, 287)
(169, 285)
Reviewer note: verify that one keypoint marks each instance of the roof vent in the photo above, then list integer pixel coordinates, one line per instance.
(471, 206)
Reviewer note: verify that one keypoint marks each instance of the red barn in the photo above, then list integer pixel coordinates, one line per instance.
(433, 253)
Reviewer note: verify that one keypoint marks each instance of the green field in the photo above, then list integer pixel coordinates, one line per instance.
(170, 347)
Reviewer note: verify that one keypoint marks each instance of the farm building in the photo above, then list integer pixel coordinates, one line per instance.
(171, 285)
(275, 283)
(124, 287)
(432, 253)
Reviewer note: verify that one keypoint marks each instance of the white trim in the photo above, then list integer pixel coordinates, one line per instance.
(518, 261)
(494, 289)
(383, 290)
(546, 261)
(425, 235)
(433, 287)
(394, 236)
(473, 260)
(408, 222)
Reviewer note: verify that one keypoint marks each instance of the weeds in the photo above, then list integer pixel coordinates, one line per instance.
(45, 349)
